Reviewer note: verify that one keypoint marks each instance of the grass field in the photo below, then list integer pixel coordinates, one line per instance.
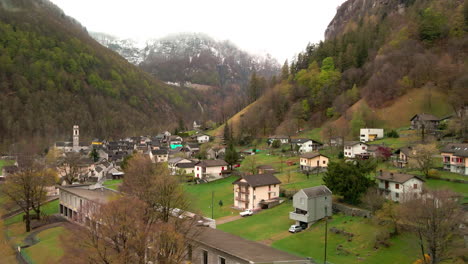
(461, 188)
(5, 163)
(49, 249)
(47, 209)
(201, 197)
(262, 226)
(403, 248)
(113, 184)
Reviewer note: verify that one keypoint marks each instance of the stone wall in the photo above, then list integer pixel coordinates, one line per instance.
(348, 210)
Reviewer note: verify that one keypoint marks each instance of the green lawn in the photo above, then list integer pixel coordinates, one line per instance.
(49, 249)
(47, 209)
(261, 226)
(444, 174)
(461, 188)
(113, 184)
(5, 163)
(314, 134)
(201, 197)
(310, 243)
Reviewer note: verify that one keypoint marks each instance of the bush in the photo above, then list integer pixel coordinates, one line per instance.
(393, 134)
(276, 143)
(434, 173)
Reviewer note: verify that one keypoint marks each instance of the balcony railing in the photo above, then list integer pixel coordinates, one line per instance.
(299, 217)
(244, 191)
(242, 198)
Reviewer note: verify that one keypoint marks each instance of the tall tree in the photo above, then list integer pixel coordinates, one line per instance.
(232, 156)
(348, 179)
(69, 167)
(435, 217)
(227, 133)
(254, 87)
(423, 158)
(285, 71)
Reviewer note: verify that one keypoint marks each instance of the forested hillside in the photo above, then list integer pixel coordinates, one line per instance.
(375, 52)
(53, 75)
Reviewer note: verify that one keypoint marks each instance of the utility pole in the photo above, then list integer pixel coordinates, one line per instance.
(326, 233)
(212, 207)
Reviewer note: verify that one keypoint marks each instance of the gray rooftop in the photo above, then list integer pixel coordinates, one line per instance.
(100, 195)
(317, 191)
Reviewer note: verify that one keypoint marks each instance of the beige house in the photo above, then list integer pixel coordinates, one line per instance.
(256, 191)
(455, 158)
(404, 155)
(160, 155)
(313, 161)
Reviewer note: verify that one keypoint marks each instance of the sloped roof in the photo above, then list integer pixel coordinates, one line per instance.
(185, 165)
(317, 191)
(408, 151)
(352, 143)
(454, 147)
(396, 177)
(259, 180)
(159, 152)
(425, 117)
(250, 251)
(212, 163)
(312, 155)
(299, 140)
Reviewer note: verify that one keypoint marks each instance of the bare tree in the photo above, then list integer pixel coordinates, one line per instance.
(249, 165)
(423, 158)
(390, 212)
(70, 167)
(27, 187)
(436, 218)
(373, 200)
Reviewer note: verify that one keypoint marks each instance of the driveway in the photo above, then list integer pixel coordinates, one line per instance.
(227, 219)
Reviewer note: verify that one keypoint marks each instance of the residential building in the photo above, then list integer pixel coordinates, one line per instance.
(213, 246)
(210, 168)
(265, 169)
(399, 186)
(306, 145)
(217, 152)
(8, 170)
(313, 161)
(282, 139)
(336, 141)
(256, 191)
(203, 138)
(455, 158)
(196, 125)
(171, 163)
(404, 155)
(426, 121)
(175, 141)
(371, 134)
(353, 148)
(311, 205)
(77, 202)
(160, 155)
(185, 168)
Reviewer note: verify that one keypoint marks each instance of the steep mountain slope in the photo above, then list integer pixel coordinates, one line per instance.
(127, 48)
(53, 75)
(376, 52)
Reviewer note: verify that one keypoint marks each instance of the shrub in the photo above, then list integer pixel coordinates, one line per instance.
(393, 134)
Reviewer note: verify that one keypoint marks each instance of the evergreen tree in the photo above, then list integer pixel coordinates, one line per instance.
(94, 155)
(253, 87)
(348, 179)
(285, 71)
(231, 157)
(227, 133)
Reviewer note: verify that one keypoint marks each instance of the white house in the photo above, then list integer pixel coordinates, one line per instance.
(281, 139)
(208, 168)
(399, 186)
(203, 138)
(353, 148)
(160, 155)
(306, 145)
(371, 134)
(172, 163)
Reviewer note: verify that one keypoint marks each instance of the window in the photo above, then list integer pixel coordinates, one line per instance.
(274, 186)
(205, 257)
(222, 260)
(363, 148)
(397, 186)
(301, 200)
(415, 186)
(324, 162)
(397, 195)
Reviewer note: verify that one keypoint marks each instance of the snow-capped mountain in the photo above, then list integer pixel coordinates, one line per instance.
(192, 58)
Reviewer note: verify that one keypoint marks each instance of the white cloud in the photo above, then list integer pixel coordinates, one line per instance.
(281, 28)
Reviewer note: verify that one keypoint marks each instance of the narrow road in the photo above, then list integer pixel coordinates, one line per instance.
(227, 219)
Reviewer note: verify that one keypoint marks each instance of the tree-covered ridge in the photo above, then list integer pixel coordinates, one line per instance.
(53, 75)
(382, 53)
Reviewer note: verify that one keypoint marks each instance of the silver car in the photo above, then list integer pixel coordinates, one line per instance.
(295, 228)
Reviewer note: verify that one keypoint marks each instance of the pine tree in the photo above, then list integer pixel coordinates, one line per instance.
(253, 87)
(227, 133)
(285, 71)
(231, 157)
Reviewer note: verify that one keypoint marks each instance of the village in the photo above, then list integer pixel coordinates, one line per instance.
(254, 199)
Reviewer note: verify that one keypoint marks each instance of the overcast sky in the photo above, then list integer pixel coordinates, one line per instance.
(279, 27)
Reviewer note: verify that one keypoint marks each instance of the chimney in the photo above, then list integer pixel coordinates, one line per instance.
(391, 175)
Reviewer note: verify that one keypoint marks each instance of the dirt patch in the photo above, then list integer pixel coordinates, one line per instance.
(275, 237)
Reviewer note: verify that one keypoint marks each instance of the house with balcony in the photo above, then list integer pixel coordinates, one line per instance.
(425, 121)
(399, 186)
(354, 148)
(404, 154)
(455, 158)
(313, 161)
(311, 205)
(260, 191)
(210, 168)
(371, 134)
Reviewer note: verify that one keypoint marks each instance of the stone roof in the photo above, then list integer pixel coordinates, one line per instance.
(159, 152)
(259, 180)
(185, 165)
(244, 249)
(396, 177)
(425, 117)
(317, 191)
(212, 163)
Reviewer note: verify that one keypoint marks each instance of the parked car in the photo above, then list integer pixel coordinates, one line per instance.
(295, 229)
(247, 212)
